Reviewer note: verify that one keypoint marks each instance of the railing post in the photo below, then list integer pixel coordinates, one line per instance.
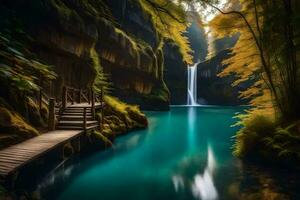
(51, 116)
(73, 96)
(79, 96)
(89, 95)
(64, 97)
(93, 104)
(84, 119)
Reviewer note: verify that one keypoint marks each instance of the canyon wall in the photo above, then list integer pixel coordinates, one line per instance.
(65, 32)
(79, 39)
(132, 56)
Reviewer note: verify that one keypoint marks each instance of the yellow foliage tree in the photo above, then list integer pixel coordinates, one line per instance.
(265, 54)
(169, 20)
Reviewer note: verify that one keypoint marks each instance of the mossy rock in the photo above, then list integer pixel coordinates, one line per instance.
(113, 119)
(104, 138)
(35, 117)
(44, 113)
(137, 116)
(105, 126)
(122, 112)
(13, 128)
(119, 117)
(113, 126)
(122, 128)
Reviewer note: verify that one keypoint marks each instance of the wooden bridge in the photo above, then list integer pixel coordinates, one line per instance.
(67, 120)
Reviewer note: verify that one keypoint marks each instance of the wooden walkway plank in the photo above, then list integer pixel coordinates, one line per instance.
(4, 159)
(16, 156)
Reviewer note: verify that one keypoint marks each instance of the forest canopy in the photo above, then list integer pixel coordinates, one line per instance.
(267, 55)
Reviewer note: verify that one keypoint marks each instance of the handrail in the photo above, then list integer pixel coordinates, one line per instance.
(84, 95)
(72, 95)
(76, 89)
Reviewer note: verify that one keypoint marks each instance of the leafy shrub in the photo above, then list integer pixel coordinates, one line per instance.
(262, 137)
(248, 138)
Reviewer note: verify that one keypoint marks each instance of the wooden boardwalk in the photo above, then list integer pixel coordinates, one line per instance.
(75, 116)
(16, 156)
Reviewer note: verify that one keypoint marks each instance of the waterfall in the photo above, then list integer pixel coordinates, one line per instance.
(192, 85)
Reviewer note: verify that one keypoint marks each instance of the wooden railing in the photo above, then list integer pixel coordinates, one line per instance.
(74, 95)
(71, 96)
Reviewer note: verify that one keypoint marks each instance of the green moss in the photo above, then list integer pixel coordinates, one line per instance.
(120, 106)
(14, 120)
(159, 94)
(103, 138)
(35, 117)
(13, 128)
(127, 38)
(120, 117)
(44, 113)
(248, 138)
(136, 43)
(100, 80)
(262, 137)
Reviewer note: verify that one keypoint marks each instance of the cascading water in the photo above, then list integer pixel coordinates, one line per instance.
(192, 85)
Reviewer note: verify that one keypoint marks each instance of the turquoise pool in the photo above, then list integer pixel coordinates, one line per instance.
(184, 154)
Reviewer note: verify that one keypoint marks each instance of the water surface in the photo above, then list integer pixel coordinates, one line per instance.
(184, 154)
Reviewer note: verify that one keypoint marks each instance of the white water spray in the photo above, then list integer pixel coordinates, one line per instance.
(192, 85)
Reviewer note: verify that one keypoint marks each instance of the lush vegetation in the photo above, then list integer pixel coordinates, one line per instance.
(266, 53)
(120, 118)
(170, 21)
(20, 79)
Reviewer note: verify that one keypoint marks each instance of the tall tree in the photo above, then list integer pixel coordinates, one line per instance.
(265, 53)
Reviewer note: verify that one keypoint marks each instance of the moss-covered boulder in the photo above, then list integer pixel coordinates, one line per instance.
(13, 128)
(36, 117)
(120, 118)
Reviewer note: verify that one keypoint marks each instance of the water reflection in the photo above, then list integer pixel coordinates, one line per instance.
(203, 186)
(178, 182)
(191, 129)
(169, 160)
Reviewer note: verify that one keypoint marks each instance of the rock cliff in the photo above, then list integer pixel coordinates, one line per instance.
(78, 38)
(65, 33)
